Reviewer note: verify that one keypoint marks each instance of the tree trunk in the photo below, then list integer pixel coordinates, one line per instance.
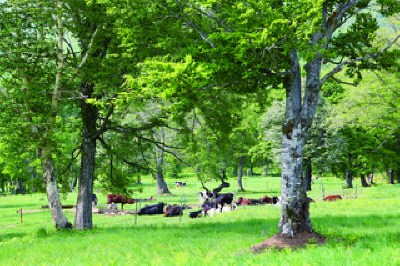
(295, 213)
(89, 113)
(53, 197)
(57, 215)
(398, 175)
(266, 168)
(349, 179)
(251, 170)
(363, 181)
(75, 182)
(390, 175)
(33, 178)
(20, 188)
(162, 187)
(295, 217)
(240, 174)
(234, 171)
(223, 172)
(370, 178)
(308, 174)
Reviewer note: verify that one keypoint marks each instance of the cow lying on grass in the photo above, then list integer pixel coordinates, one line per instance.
(152, 209)
(180, 184)
(173, 210)
(332, 197)
(263, 200)
(196, 214)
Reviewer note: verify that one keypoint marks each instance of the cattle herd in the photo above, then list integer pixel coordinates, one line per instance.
(211, 202)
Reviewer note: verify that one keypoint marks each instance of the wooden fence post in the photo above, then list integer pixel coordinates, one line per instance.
(136, 214)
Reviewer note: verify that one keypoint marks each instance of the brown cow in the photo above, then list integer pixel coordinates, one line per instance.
(332, 197)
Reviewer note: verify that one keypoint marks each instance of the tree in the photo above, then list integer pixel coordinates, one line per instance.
(338, 34)
(371, 106)
(244, 137)
(358, 53)
(33, 46)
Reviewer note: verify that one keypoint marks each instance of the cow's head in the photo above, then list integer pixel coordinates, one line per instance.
(204, 196)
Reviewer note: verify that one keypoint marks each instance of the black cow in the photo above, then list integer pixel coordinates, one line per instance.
(224, 198)
(180, 184)
(173, 210)
(275, 200)
(94, 199)
(217, 202)
(195, 214)
(217, 199)
(152, 209)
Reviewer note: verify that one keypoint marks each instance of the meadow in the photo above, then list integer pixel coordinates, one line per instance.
(361, 229)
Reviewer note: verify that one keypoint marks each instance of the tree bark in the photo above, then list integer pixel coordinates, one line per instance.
(33, 178)
(390, 174)
(308, 174)
(20, 188)
(295, 216)
(240, 174)
(89, 113)
(266, 167)
(53, 197)
(349, 179)
(139, 179)
(223, 172)
(398, 175)
(46, 158)
(251, 170)
(363, 181)
(370, 178)
(234, 171)
(162, 187)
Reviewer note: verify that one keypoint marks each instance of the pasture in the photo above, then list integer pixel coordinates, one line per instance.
(361, 229)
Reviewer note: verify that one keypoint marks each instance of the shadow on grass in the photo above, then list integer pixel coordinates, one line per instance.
(339, 230)
(21, 205)
(347, 230)
(181, 230)
(5, 237)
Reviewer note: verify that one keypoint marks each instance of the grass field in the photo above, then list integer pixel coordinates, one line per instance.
(362, 229)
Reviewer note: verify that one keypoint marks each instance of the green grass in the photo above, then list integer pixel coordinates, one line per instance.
(360, 231)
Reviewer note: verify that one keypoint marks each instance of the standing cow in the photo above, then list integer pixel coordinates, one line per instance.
(217, 200)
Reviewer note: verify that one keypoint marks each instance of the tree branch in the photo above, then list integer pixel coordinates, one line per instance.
(73, 157)
(103, 127)
(344, 82)
(341, 13)
(85, 57)
(158, 143)
(135, 130)
(191, 24)
(212, 16)
(340, 66)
